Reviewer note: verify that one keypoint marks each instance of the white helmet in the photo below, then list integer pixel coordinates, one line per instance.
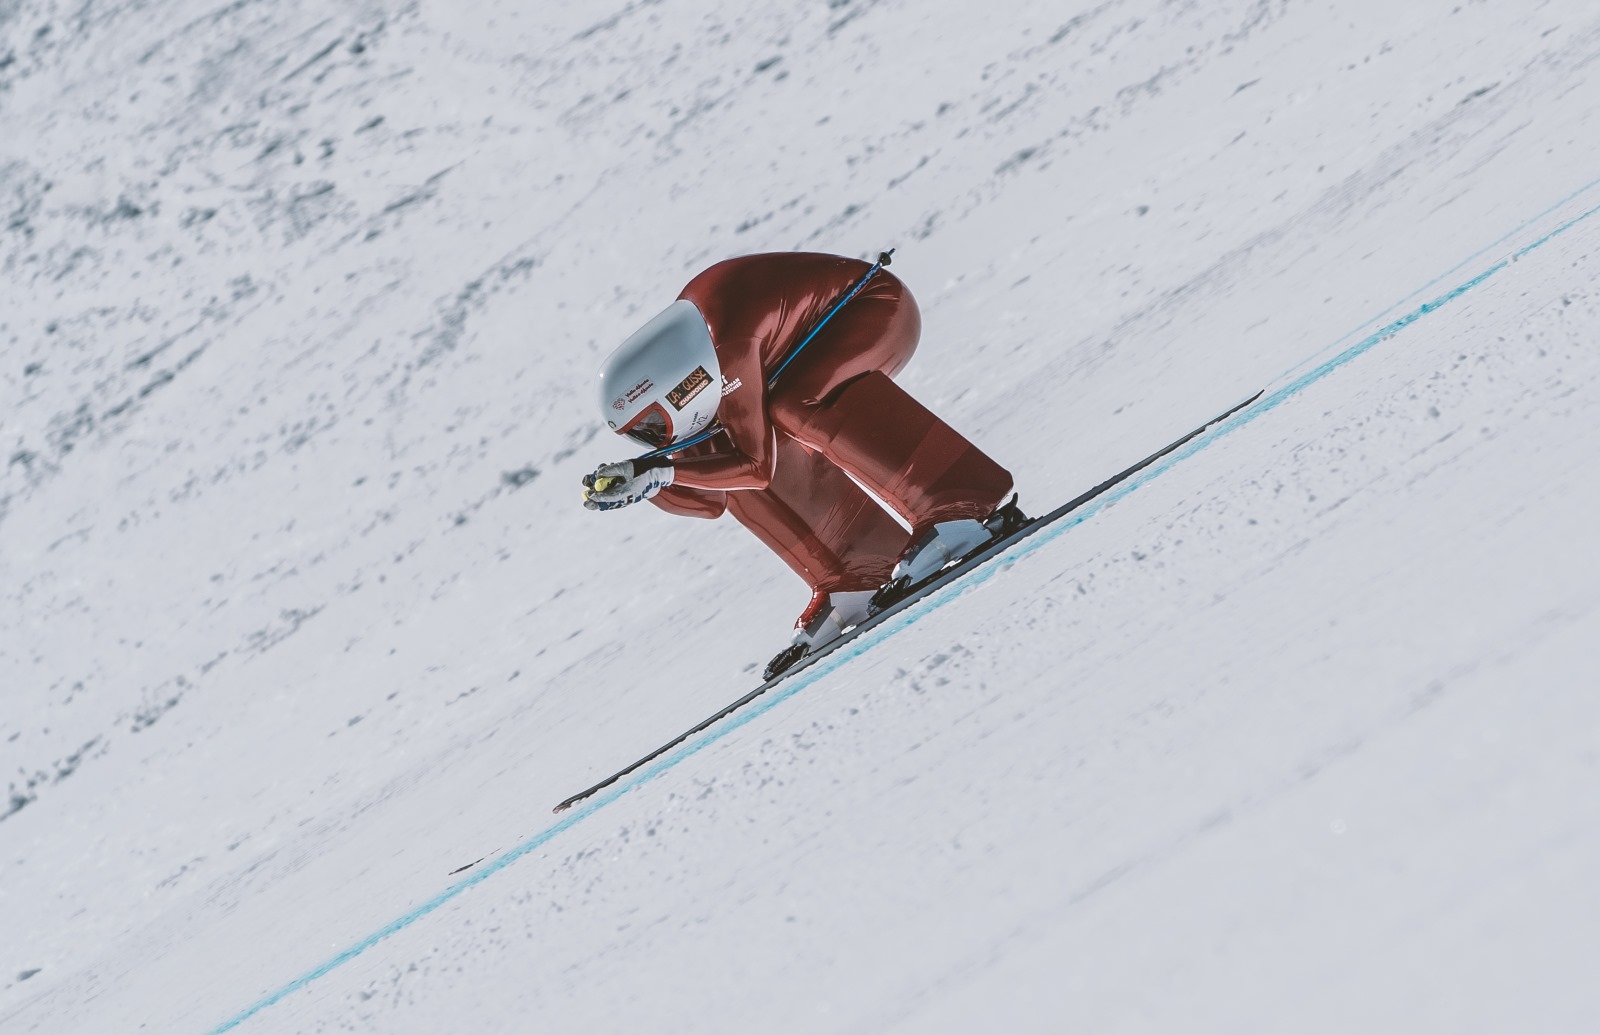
(664, 383)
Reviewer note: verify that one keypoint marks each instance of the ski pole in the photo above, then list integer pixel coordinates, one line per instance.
(715, 428)
(855, 289)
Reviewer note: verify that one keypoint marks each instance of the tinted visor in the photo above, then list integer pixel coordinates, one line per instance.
(651, 428)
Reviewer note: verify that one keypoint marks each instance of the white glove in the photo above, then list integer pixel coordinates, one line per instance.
(616, 485)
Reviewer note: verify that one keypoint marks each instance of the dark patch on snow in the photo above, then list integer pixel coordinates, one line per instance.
(65, 429)
(862, 7)
(293, 619)
(144, 360)
(903, 177)
(472, 296)
(185, 868)
(16, 803)
(837, 221)
(73, 261)
(156, 382)
(1074, 23)
(614, 20)
(1016, 160)
(69, 765)
(575, 442)
(751, 224)
(149, 715)
(318, 56)
(517, 479)
(19, 798)
(125, 210)
(423, 193)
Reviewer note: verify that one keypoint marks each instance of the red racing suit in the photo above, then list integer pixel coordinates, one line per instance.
(784, 465)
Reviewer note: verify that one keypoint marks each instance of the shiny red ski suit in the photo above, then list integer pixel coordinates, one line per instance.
(781, 467)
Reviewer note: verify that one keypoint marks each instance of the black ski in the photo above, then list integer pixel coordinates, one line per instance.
(906, 596)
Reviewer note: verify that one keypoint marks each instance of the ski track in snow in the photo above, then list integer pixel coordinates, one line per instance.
(297, 614)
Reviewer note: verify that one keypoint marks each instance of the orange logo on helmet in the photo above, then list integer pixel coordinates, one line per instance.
(688, 388)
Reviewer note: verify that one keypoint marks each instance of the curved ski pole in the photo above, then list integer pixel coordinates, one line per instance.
(715, 429)
(855, 289)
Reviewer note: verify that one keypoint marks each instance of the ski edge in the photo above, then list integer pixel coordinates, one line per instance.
(913, 595)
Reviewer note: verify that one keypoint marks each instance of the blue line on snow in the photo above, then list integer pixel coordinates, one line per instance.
(1452, 271)
(909, 617)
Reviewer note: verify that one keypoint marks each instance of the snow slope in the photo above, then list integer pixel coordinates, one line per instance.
(301, 307)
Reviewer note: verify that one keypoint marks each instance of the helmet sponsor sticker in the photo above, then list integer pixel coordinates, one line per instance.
(639, 389)
(688, 388)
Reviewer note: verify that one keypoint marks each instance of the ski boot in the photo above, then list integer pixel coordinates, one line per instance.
(946, 543)
(826, 618)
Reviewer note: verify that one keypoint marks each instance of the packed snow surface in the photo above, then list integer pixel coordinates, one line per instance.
(300, 310)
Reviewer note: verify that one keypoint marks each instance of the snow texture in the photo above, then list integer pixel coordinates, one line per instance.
(300, 307)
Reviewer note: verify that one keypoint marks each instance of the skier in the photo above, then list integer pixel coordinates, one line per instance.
(783, 460)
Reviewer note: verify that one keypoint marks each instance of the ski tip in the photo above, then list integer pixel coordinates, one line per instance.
(564, 806)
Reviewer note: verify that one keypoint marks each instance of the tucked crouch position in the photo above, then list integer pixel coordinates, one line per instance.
(787, 460)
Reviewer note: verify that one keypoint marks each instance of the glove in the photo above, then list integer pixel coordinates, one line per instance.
(612, 486)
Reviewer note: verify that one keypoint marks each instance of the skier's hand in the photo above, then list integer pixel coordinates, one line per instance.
(617, 485)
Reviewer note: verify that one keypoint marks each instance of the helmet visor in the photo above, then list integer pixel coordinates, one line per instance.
(651, 428)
